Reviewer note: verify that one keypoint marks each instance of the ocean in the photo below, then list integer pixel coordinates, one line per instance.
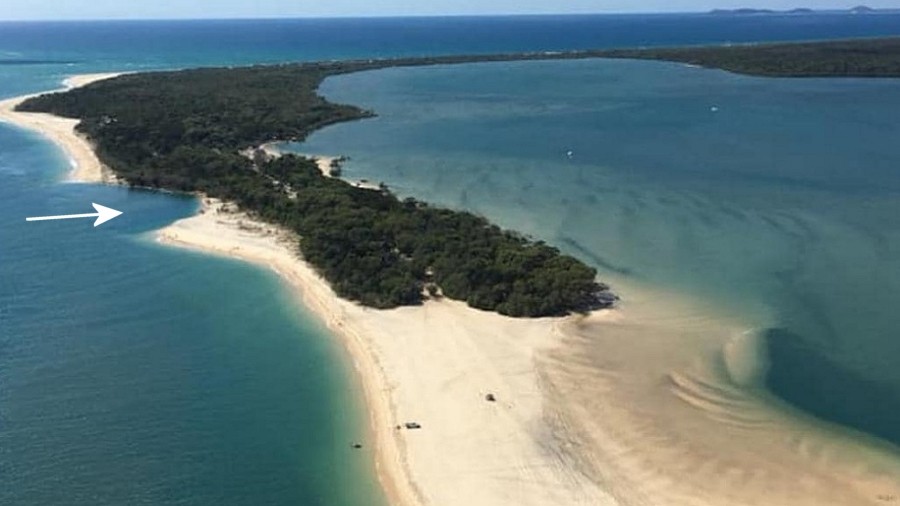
(132, 373)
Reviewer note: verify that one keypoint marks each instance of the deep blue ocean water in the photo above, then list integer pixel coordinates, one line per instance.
(136, 374)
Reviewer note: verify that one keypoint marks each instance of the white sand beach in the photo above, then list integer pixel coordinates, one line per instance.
(432, 365)
(654, 403)
(85, 166)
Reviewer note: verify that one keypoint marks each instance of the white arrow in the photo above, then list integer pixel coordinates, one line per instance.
(103, 215)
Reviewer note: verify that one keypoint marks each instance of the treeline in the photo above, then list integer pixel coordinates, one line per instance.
(840, 58)
(184, 131)
(384, 252)
(144, 116)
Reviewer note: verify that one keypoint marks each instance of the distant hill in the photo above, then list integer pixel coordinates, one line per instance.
(859, 9)
(862, 9)
(742, 12)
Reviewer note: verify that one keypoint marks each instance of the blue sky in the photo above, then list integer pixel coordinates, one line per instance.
(170, 9)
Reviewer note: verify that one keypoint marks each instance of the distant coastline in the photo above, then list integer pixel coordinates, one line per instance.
(874, 58)
(747, 11)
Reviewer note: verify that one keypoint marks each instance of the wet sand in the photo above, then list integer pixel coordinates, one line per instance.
(668, 397)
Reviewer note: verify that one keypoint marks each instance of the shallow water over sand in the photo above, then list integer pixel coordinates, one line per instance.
(776, 199)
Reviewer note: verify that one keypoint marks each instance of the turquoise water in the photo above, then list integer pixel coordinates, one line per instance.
(777, 198)
(131, 373)
(136, 374)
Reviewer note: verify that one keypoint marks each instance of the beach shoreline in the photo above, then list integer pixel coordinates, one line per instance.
(85, 167)
(220, 229)
(388, 350)
(634, 406)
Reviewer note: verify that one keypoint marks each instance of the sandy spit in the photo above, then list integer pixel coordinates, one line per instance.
(85, 166)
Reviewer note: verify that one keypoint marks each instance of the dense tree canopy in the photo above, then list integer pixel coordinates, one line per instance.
(839, 58)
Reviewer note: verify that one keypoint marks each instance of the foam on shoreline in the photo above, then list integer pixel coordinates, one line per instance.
(85, 166)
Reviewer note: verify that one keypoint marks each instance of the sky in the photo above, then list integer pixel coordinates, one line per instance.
(179, 9)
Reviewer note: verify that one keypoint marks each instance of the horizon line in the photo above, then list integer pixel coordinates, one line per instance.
(435, 16)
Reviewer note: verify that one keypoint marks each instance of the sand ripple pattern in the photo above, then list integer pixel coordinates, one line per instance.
(646, 399)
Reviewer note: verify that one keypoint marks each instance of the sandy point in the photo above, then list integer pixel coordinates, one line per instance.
(86, 167)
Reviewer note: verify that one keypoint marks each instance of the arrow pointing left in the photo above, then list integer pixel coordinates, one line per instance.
(103, 215)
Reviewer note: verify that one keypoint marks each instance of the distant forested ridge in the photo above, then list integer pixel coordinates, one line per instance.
(184, 131)
(839, 58)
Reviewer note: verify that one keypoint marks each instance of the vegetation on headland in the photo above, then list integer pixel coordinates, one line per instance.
(185, 131)
(839, 58)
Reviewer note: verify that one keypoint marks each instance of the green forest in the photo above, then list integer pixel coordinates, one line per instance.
(184, 131)
(838, 58)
